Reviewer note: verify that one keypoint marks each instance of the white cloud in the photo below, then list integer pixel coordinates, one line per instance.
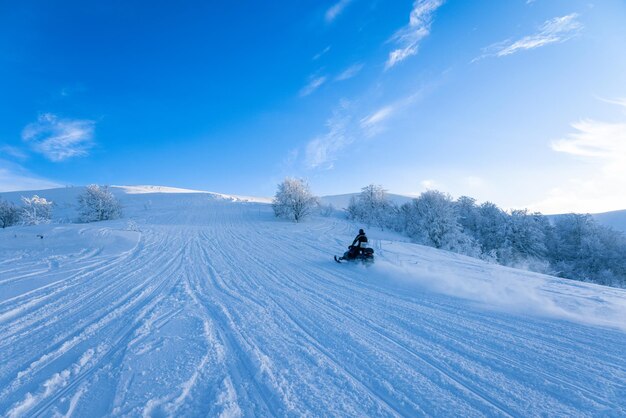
(313, 85)
(378, 116)
(600, 140)
(342, 129)
(15, 178)
(408, 38)
(349, 72)
(59, 139)
(619, 102)
(428, 184)
(556, 30)
(599, 186)
(12, 151)
(335, 10)
(372, 124)
(321, 53)
(321, 152)
(347, 123)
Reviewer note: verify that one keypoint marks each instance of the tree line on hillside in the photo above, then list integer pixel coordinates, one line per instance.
(96, 203)
(572, 246)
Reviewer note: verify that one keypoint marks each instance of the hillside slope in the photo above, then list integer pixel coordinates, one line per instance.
(615, 219)
(195, 304)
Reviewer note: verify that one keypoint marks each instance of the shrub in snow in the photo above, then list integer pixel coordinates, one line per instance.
(132, 226)
(36, 210)
(98, 204)
(9, 214)
(293, 199)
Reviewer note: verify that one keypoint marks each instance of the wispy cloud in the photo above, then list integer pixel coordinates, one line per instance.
(12, 151)
(350, 121)
(321, 53)
(335, 10)
(59, 139)
(13, 177)
(313, 85)
(619, 102)
(594, 139)
(409, 37)
(429, 184)
(349, 72)
(556, 30)
(322, 151)
(601, 148)
(372, 123)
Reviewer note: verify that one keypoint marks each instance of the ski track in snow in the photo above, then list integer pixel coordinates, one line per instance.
(220, 310)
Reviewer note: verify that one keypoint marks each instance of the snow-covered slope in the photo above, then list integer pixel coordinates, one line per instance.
(196, 305)
(615, 219)
(65, 208)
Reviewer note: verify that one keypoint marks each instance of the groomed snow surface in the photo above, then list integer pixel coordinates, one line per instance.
(197, 304)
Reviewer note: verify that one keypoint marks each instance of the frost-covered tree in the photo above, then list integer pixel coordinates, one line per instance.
(293, 199)
(9, 214)
(97, 203)
(431, 219)
(585, 250)
(527, 234)
(573, 246)
(371, 206)
(468, 215)
(491, 230)
(36, 210)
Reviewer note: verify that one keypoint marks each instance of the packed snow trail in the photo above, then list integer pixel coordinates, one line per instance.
(213, 307)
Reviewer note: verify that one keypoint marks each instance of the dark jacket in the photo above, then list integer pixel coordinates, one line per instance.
(360, 241)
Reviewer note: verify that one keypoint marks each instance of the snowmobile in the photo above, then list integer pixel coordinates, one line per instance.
(365, 255)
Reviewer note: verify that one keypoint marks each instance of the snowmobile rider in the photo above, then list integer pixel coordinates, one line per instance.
(359, 242)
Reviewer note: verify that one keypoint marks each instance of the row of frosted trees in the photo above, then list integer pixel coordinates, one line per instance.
(573, 245)
(33, 211)
(96, 203)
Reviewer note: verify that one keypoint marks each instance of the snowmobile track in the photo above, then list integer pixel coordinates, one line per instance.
(220, 309)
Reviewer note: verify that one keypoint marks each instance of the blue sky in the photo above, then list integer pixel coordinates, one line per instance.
(519, 102)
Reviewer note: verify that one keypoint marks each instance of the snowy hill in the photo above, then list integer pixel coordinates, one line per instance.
(65, 198)
(201, 304)
(615, 219)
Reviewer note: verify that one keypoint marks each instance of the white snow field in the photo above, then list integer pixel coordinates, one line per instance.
(197, 304)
